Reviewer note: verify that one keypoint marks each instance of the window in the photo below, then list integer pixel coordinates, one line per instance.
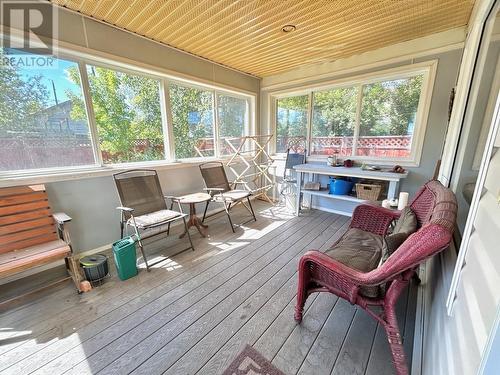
(388, 114)
(192, 118)
(372, 119)
(333, 121)
(66, 112)
(232, 122)
(127, 114)
(41, 122)
(291, 122)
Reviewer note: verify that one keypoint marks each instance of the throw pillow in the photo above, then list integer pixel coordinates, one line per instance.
(407, 222)
(391, 243)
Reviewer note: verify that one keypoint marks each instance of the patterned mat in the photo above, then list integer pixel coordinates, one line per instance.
(251, 362)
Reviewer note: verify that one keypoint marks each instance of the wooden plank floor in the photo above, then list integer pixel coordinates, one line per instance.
(196, 311)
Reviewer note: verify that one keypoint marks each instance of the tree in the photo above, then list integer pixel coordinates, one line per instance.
(20, 98)
(292, 116)
(334, 112)
(191, 117)
(389, 107)
(126, 109)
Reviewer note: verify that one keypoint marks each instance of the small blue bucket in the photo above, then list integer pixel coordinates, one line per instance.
(340, 187)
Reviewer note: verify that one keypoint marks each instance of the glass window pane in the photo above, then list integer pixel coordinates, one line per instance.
(192, 117)
(43, 122)
(128, 115)
(333, 120)
(291, 122)
(232, 117)
(388, 114)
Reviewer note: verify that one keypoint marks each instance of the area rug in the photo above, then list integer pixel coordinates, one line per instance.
(251, 362)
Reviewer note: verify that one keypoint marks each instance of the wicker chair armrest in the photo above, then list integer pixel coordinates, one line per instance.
(374, 219)
(356, 277)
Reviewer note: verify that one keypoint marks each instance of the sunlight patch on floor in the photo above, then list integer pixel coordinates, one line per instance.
(10, 333)
(254, 234)
(165, 263)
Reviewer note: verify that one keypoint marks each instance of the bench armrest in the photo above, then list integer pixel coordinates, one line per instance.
(61, 217)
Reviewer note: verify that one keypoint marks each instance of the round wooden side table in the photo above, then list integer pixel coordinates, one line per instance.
(194, 220)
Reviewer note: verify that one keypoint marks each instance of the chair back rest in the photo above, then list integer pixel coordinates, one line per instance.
(293, 159)
(140, 189)
(214, 175)
(25, 218)
(436, 204)
(436, 209)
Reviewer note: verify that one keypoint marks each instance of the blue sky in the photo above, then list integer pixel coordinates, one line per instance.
(58, 75)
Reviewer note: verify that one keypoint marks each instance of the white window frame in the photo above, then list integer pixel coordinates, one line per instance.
(83, 57)
(427, 68)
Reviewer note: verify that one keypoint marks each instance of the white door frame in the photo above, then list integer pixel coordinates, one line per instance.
(466, 89)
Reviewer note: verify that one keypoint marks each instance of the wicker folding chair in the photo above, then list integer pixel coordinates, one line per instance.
(220, 189)
(143, 207)
(289, 180)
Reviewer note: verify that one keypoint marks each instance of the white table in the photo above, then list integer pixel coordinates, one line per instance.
(318, 169)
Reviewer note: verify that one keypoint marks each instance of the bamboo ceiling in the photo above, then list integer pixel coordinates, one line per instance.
(246, 34)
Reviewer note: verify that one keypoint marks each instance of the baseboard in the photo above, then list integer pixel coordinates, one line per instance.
(59, 263)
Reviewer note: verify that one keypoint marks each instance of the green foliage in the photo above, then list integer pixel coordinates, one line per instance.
(389, 107)
(126, 109)
(20, 99)
(190, 105)
(292, 116)
(231, 114)
(334, 112)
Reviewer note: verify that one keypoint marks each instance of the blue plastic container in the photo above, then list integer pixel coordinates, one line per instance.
(340, 187)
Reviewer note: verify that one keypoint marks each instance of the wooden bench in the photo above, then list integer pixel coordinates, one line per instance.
(30, 234)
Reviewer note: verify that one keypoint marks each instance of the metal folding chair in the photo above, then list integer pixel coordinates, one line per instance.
(220, 189)
(289, 175)
(143, 207)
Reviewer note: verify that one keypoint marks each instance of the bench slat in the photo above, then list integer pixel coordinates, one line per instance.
(28, 242)
(4, 192)
(23, 198)
(25, 207)
(24, 225)
(30, 251)
(32, 232)
(25, 216)
(13, 265)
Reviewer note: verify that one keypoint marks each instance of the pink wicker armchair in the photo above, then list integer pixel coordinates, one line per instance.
(435, 207)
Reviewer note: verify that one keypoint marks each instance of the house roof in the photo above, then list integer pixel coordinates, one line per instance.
(247, 34)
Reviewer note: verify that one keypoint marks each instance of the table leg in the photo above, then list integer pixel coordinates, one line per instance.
(393, 190)
(297, 198)
(194, 221)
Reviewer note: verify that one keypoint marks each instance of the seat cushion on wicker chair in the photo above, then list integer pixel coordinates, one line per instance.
(154, 218)
(232, 195)
(359, 250)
